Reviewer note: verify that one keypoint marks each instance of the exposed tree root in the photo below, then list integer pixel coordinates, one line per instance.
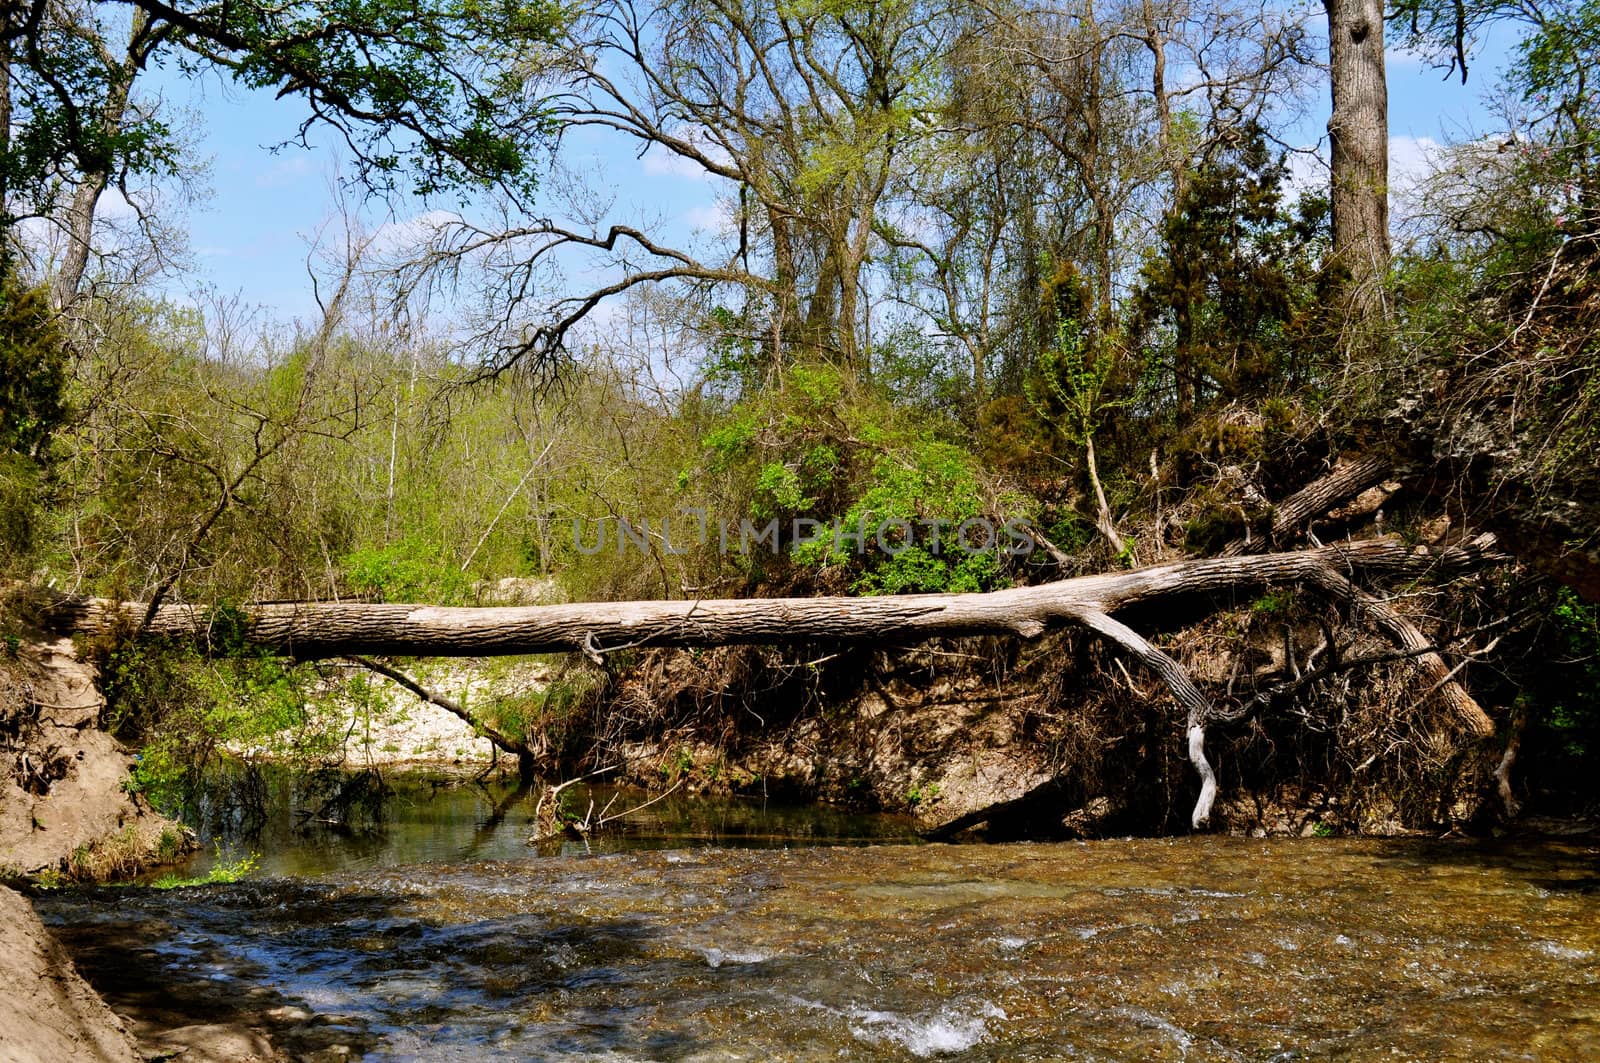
(1405, 636)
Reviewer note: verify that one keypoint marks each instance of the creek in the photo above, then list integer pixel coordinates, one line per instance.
(731, 930)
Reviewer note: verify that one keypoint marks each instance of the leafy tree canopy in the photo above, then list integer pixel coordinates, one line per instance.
(434, 94)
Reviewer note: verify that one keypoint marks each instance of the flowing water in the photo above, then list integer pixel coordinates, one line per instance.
(470, 945)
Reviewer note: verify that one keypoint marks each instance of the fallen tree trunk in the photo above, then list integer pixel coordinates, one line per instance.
(1345, 480)
(316, 630)
(308, 630)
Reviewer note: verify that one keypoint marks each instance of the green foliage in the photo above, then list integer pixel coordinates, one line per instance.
(1274, 603)
(779, 491)
(222, 872)
(823, 447)
(731, 440)
(33, 370)
(1068, 388)
(434, 91)
(556, 714)
(186, 712)
(21, 490)
(1565, 692)
(919, 496)
(434, 88)
(1227, 299)
(677, 763)
(993, 354)
(33, 385)
(411, 570)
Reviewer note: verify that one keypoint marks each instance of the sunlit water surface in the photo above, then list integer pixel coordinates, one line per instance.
(445, 936)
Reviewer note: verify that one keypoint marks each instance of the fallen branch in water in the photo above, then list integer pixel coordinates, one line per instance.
(550, 823)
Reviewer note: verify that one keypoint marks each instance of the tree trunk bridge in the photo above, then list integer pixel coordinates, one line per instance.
(310, 630)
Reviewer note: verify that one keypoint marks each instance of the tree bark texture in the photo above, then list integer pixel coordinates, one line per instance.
(1359, 135)
(313, 630)
(1346, 480)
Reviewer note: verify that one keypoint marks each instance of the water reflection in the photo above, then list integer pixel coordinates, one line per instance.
(313, 824)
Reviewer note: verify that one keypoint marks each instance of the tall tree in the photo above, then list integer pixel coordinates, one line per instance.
(801, 115)
(1359, 132)
(1236, 268)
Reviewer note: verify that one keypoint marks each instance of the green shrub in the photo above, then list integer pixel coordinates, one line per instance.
(1566, 700)
(411, 570)
(931, 487)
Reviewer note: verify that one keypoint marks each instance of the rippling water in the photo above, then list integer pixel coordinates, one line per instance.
(1200, 948)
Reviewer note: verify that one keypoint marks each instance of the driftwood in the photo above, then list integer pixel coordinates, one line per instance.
(1346, 480)
(326, 629)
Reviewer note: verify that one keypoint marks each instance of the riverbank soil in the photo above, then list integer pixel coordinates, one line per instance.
(63, 807)
(48, 1012)
(64, 813)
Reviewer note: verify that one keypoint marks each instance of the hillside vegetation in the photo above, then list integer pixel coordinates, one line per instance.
(1031, 268)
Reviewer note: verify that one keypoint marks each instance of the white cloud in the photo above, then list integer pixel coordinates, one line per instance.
(1308, 172)
(287, 170)
(659, 162)
(1399, 57)
(114, 206)
(1411, 159)
(410, 234)
(712, 217)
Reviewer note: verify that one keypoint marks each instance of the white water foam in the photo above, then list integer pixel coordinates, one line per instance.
(928, 1034)
(716, 957)
(1563, 952)
(949, 1029)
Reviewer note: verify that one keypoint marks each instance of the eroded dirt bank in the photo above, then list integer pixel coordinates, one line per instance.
(64, 809)
(64, 812)
(46, 1010)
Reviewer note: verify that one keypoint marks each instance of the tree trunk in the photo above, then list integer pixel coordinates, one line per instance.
(1359, 132)
(314, 630)
(6, 220)
(79, 226)
(79, 222)
(326, 629)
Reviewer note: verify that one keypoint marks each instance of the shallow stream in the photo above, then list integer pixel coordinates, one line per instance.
(445, 936)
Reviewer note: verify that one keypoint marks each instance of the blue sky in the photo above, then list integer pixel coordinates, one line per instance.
(252, 234)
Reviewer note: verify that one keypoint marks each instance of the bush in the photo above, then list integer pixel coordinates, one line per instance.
(33, 381)
(410, 570)
(923, 494)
